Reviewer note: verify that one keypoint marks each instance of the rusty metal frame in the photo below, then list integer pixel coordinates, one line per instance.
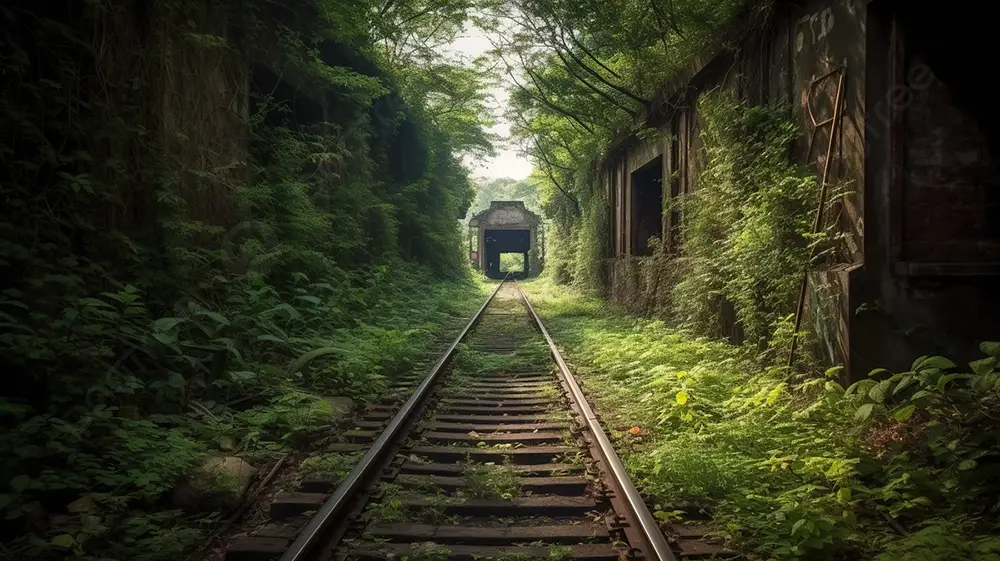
(642, 529)
(834, 123)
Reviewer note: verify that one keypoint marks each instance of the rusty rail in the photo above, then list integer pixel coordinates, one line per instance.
(509, 406)
(327, 515)
(655, 546)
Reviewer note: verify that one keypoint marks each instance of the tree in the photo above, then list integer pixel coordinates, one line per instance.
(582, 73)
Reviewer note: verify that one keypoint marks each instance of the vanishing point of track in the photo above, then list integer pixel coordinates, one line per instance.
(422, 489)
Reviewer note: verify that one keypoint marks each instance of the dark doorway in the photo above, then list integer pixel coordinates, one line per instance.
(647, 206)
(505, 241)
(949, 131)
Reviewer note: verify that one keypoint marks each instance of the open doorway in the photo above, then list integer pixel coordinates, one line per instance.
(647, 206)
(514, 263)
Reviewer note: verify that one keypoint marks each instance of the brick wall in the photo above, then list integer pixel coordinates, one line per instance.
(948, 179)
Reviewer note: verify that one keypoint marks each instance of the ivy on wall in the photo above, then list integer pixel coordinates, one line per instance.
(745, 229)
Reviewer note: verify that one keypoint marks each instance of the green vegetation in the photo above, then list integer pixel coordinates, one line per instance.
(745, 226)
(513, 555)
(491, 481)
(583, 74)
(428, 551)
(529, 357)
(897, 466)
(560, 553)
(390, 507)
(332, 466)
(214, 214)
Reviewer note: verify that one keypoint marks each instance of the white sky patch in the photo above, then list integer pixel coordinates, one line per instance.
(508, 162)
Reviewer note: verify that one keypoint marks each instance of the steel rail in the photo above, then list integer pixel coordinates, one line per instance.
(650, 529)
(335, 505)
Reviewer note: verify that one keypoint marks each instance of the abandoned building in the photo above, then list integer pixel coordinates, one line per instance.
(507, 227)
(904, 87)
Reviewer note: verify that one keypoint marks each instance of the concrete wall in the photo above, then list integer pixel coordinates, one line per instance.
(508, 215)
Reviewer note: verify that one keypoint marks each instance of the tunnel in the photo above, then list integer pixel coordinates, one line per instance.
(506, 241)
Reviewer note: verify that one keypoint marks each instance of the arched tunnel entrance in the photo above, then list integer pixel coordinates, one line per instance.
(506, 241)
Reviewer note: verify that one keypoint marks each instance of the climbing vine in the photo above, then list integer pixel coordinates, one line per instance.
(744, 233)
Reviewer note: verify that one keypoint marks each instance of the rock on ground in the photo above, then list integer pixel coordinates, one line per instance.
(216, 484)
(341, 407)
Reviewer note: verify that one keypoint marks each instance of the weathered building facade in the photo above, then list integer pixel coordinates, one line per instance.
(505, 227)
(915, 143)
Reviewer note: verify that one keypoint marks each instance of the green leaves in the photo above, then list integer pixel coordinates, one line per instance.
(745, 222)
(271, 338)
(904, 412)
(929, 362)
(166, 324)
(983, 366)
(66, 541)
(864, 412)
(308, 357)
(20, 483)
(216, 317)
(799, 479)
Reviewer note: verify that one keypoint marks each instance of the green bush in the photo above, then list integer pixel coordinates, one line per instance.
(189, 268)
(746, 224)
(794, 468)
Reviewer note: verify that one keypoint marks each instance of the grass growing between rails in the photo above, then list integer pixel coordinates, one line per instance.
(795, 467)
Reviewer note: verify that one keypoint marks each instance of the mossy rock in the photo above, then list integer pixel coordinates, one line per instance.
(340, 407)
(217, 484)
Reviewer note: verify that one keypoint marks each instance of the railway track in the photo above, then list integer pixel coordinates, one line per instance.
(494, 454)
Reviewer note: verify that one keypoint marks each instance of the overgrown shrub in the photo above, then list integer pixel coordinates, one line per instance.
(191, 257)
(746, 224)
(896, 466)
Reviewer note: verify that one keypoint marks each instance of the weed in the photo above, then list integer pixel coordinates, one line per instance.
(437, 505)
(514, 555)
(795, 467)
(560, 553)
(491, 481)
(390, 508)
(427, 551)
(332, 466)
(530, 357)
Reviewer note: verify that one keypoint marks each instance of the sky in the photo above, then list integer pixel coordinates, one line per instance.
(507, 162)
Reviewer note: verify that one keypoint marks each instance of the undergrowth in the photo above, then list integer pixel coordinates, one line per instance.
(896, 466)
(132, 447)
(746, 225)
(332, 466)
(196, 252)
